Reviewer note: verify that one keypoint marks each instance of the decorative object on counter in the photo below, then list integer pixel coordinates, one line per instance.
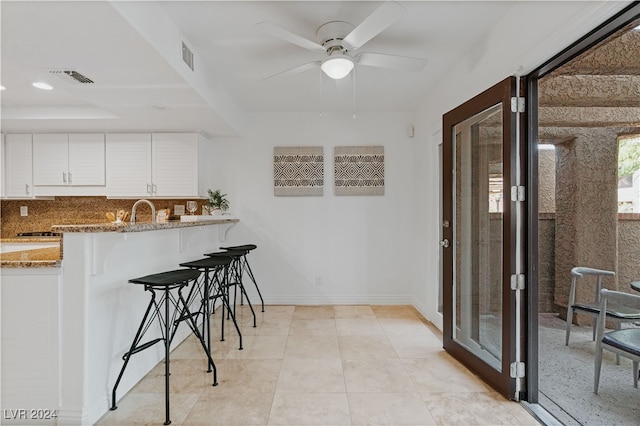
(122, 216)
(359, 170)
(218, 203)
(119, 217)
(298, 170)
(192, 206)
(162, 216)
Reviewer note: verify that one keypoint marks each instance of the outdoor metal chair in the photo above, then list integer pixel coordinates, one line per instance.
(623, 342)
(592, 307)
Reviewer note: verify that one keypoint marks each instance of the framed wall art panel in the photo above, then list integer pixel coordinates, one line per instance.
(298, 170)
(359, 170)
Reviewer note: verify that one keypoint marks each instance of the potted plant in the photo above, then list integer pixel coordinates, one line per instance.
(218, 202)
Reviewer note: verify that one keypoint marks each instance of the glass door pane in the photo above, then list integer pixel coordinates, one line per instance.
(478, 235)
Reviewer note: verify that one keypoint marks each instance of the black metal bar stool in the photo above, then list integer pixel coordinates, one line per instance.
(214, 284)
(245, 265)
(235, 277)
(166, 293)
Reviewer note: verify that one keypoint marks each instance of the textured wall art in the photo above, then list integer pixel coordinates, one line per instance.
(298, 170)
(359, 170)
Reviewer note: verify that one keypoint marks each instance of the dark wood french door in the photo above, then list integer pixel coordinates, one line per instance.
(483, 235)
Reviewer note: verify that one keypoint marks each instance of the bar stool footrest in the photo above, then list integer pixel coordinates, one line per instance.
(141, 348)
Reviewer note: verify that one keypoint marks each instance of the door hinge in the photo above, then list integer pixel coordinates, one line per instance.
(517, 193)
(517, 282)
(517, 104)
(516, 370)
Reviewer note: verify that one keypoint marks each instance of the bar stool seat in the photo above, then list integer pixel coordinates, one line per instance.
(235, 277)
(166, 293)
(214, 286)
(247, 248)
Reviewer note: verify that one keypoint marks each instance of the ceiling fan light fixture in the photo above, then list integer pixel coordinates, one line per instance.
(337, 67)
(42, 85)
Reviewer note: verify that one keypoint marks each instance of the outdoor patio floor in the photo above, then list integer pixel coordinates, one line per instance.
(566, 379)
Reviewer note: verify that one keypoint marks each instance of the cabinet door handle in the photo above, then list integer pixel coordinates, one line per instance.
(154, 188)
(26, 188)
(148, 188)
(64, 177)
(69, 178)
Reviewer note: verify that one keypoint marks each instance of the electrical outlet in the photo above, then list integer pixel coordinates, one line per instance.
(24, 211)
(318, 281)
(178, 209)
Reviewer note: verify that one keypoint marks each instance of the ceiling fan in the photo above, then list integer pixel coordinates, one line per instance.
(339, 41)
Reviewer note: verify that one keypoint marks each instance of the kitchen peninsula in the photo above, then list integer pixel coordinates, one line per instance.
(65, 326)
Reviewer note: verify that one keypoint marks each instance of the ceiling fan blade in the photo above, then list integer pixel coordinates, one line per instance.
(282, 34)
(404, 63)
(374, 24)
(295, 70)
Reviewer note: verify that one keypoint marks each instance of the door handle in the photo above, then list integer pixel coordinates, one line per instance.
(444, 243)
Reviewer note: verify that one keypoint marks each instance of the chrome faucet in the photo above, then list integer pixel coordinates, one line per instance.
(135, 205)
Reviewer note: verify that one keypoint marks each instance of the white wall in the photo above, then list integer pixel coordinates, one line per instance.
(359, 246)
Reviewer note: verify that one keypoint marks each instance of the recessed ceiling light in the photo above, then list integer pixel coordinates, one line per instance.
(42, 85)
(2, 87)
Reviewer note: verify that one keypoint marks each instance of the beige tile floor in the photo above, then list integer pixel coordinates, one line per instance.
(320, 365)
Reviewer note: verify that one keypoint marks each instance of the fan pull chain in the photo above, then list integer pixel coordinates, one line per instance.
(321, 93)
(354, 92)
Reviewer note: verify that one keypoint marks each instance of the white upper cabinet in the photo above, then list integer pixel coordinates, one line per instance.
(69, 164)
(129, 165)
(50, 159)
(18, 166)
(87, 159)
(175, 164)
(152, 165)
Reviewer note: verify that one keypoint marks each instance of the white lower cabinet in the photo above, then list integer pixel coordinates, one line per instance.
(18, 166)
(153, 165)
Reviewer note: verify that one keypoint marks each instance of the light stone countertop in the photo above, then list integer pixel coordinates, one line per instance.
(38, 258)
(51, 257)
(139, 227)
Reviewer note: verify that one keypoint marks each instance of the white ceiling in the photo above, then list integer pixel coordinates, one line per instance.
(132, 53)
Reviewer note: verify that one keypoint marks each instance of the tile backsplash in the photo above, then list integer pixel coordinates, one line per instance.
(42, 214)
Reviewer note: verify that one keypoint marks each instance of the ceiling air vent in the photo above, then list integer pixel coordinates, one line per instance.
(187, 56)
(74, 75)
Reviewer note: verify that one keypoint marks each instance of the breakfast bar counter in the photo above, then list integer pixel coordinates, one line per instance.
(82, 312)
(142, 226)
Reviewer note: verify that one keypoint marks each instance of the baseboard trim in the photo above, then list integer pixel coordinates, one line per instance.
(339, 300)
